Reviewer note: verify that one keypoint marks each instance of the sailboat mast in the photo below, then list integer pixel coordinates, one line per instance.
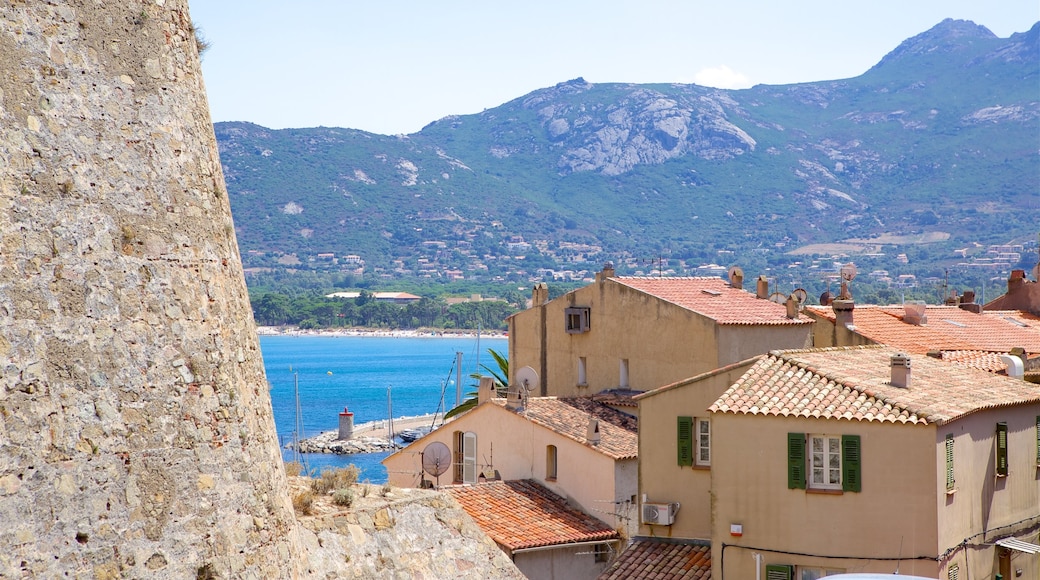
(458, 378)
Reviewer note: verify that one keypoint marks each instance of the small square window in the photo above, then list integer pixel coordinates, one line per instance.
(577, 319)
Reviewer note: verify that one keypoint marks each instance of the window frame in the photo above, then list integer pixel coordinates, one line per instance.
(951, 482)
(577, 319)
(801, 570)
(1001, 443)
(827, 469)
(551, 462)
(800, 463)
(701, 442)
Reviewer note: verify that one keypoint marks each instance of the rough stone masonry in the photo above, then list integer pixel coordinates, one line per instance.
(136, 437)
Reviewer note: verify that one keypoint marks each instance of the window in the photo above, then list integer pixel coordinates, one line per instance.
(456, 463)
(833, 462)
(1002, 451)
(703, 442)
(583, 378)
(550, 462)
(602, 552)
(684, 436)
(623, 373)
(825, 462)
(577, 319)
(814, 573)
(949, 462)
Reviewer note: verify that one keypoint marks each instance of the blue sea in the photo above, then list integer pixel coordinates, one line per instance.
(356, 372)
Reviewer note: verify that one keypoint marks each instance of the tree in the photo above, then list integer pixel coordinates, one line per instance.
(501, 376)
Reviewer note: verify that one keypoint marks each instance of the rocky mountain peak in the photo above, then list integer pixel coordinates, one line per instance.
(948, 36)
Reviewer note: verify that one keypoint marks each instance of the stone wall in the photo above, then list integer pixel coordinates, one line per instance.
(136, 436)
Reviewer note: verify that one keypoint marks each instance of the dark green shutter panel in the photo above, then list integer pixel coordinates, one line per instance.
(851, 466)
(796, 461)
(779, 572)
(1002, 458)
(949, 462)
(685, 440)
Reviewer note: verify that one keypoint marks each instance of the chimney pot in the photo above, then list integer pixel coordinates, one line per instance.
(843, 312)
(792, 307)
(592, 433)
(901, 370)
(762, 289)
(539, 294)
(485, 389)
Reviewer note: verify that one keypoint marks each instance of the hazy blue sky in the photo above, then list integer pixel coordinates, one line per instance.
(393, 66)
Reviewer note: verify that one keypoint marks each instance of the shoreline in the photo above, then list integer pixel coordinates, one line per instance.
(369, 437)
(383, 333)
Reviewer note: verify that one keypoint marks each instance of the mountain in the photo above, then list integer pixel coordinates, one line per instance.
(940, 139)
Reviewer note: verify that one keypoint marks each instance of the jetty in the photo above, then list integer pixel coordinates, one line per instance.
(371, 437)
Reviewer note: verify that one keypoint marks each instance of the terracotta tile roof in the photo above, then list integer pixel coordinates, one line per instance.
(948, 328)
(715, 299)
(522, 514)
(571, 422)
(602, 410)
(661, 559)
(618, 397)
(854, 383)
(976, 359)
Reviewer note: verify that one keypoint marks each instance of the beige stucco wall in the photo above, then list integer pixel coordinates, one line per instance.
(578, 563)
(893, 516)
(516, 448)
(826, 333)
(662, 342)
(661, 478)
(981, 500)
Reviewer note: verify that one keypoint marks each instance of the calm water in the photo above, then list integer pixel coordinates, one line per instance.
(355, 371)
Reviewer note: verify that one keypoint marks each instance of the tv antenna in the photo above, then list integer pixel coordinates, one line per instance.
(848, 274)
(436, 459)
(801, 296)
(526, 380)
(778, 297)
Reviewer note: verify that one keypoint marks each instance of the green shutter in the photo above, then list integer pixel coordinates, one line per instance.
(780, 571)
(949, 462)
(1002, 451)
(796, 461)
(685, 440)
(851, 466)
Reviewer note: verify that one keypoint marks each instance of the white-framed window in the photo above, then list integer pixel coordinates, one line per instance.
(703, 445)
(806, 573)
(577, 319)
(824, 462)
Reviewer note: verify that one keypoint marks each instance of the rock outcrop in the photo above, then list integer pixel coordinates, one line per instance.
(136, 437)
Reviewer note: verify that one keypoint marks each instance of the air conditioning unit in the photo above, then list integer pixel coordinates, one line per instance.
(662, 514)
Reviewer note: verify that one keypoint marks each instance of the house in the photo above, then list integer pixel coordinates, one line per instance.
(639, 333)
(867, 459)
(579, 449)
(545, 537)
(1023, 294)
(390, 297)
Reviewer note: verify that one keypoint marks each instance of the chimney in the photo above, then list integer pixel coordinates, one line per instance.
(1015, 368)
(901, 371)
(968, 302)
(915, 312)
(1016, 280)
(592, 433)
(736, 278)
(843, 312)
(762, 289)
(792, 307)
(608, 272)
(346, 425)
(485, 390)
(539, 294)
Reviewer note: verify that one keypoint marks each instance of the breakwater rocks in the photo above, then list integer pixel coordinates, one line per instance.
(328, 443)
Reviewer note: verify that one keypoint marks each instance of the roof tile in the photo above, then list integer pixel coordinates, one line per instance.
(663, 559)
(715, 299)
(570, 418)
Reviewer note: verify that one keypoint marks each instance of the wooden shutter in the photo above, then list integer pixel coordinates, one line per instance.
(796, 461)
(1002, 452)
(949, 462)
(685, 440)
(851, 467)
(469, 458)
(780, 571)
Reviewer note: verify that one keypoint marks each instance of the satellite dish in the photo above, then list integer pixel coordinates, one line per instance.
(527, 377)
(735, 272)
(848, 272)
(436, 459)
(800, 295)
(826, 298)
(778, 297)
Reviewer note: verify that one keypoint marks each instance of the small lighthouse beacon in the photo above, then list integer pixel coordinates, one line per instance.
(346, 425)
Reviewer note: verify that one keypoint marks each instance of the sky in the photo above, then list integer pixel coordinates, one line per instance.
(394, 66)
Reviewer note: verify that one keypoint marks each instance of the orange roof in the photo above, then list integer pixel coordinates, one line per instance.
(947, 328)
(976, 359)
(618, 439)
(715, 299)
(661, 559)
(523, 514)
(854, 383)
